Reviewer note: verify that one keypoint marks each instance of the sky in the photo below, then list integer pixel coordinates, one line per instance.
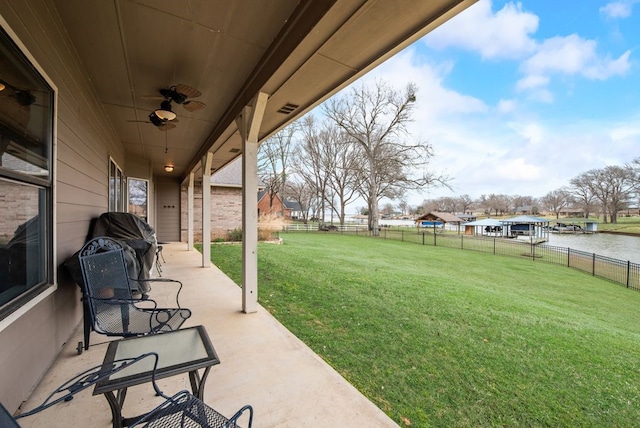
(518, 98)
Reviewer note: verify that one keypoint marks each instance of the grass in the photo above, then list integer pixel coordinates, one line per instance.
(444, 337)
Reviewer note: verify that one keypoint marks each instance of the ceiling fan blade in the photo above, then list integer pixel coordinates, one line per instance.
(166, 127)
(188, 91)
(193, 105)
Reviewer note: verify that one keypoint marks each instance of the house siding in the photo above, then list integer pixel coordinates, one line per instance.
(84, 144)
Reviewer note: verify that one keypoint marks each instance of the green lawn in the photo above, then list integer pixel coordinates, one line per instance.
(443, 337)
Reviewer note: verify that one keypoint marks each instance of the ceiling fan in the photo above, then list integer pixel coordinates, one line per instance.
(161, 118)
(180, 94)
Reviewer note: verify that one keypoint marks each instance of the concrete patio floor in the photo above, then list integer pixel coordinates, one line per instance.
(262, 364)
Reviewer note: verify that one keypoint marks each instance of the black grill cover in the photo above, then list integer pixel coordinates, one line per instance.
(134, 232)
(138, 240)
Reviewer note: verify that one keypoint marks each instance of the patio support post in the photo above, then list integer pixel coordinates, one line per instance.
(249, 125)
(190, 211)
(206, 209)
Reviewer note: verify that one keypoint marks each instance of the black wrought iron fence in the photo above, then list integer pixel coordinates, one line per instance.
(621, 272)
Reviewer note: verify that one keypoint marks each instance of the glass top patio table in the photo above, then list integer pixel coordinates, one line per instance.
(181, 351)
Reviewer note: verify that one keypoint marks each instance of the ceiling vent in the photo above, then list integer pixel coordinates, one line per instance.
(288, 108)
(234, 151)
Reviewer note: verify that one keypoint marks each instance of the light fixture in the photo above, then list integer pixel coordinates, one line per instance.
(164, 112)
(2, 86)
(168, 168)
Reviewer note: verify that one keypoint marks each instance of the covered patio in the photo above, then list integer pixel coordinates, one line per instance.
(98, 94)
(262, 364)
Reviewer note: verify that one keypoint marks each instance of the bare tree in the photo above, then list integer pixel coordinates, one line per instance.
(303, 195)
(341, 162)
(375, 120)
(387, 209)
(495, 203)
(464, 203)
(403, 206)
(273, 161)
(612, 186)
(556, 200)
(308, 164)
(582, 194)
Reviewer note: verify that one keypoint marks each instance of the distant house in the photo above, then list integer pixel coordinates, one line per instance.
(272, 205)
(438, 219)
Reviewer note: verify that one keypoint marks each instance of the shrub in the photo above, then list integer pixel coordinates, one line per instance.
(235, 235)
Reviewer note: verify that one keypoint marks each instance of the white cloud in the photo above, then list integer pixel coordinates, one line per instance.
(504, 34)
(506, 106)
(617, 9)
(518, 169)
(434, 99)
(532, 81)
(573, 55)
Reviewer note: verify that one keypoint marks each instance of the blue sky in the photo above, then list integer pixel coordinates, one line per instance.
(520, 97)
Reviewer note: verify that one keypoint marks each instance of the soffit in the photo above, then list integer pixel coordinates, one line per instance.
(298, 52)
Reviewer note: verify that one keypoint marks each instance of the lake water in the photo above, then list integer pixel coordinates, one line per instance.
(604, 244)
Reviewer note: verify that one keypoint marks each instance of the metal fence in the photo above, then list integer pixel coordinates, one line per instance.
(621, 272)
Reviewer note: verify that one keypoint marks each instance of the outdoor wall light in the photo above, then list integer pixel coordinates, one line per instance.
(168, 168)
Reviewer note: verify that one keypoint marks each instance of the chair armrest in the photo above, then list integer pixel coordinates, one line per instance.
(233, 420)
(119, 302)
(175, 281)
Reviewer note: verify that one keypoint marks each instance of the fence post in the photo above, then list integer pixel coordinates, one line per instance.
(593, 265)
(422, 238)
(462, 242)
(402, 235)
(568, 257)
(435, 244)
(494, 246)
(533, 252)
(628, 272)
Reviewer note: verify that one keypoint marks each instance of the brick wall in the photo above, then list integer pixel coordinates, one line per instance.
(226, 212)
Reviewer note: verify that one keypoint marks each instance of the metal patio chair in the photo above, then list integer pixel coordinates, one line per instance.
(67, 390)
(109, 305)
(184, 410)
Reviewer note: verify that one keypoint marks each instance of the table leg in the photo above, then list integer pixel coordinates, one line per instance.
(197, 382)
(115, 403)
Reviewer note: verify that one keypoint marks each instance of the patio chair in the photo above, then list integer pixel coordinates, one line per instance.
(67, 390)
(109, 305)
(184, 410)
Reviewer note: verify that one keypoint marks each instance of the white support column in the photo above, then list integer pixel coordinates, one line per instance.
(190, 211)
(206, 209)
(249, 125)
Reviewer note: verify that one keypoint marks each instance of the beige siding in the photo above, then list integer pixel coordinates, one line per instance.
(85, 142)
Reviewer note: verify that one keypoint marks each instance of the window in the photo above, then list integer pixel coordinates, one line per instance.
(26, 141)
(116, 187)
(139, 197)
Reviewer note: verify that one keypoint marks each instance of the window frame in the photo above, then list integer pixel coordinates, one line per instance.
(117, 187)
(128, 202)
(20, 304)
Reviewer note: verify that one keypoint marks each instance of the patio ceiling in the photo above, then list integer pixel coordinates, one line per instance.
(297, 52)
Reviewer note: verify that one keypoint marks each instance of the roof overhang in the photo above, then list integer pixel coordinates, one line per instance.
(298, 53)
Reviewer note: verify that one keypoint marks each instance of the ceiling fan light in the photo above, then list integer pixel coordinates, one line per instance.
(165, 114)
(168, 168)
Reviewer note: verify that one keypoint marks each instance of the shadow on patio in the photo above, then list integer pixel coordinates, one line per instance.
(262, 364)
